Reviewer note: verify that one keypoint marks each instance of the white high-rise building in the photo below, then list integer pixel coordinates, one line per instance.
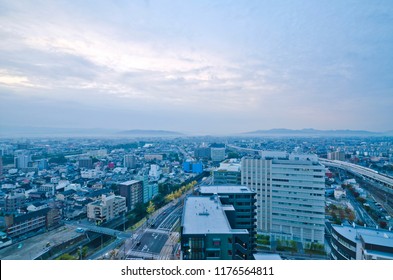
(155, 172)
(290, 195)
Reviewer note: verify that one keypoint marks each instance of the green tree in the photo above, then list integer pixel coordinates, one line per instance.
(151, 208)
(66, 257)
(233, 155)
(140, 210)
(58, 159)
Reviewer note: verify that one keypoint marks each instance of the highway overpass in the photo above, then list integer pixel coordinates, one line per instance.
(364, 172)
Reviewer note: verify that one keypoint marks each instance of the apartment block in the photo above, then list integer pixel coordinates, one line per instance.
(106, 209)
(133, 192)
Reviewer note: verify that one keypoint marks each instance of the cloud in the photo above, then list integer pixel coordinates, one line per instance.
(258, 63)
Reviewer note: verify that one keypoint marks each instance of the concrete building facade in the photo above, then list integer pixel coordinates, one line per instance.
(290, 195)
(360, 243)
(106, 209)
(133, 193)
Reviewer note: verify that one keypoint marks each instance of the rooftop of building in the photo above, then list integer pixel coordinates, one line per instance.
(31, 215)
(205, 215)
(373, 236)
(225, 189)
(262, 256)
(129, 183)
(229, 165)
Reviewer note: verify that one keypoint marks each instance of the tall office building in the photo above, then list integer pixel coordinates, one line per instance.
(1, 166)
(133, 192)
(129, 161)
(290, 195)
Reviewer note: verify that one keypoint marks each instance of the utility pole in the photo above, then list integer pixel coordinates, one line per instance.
(80, 252)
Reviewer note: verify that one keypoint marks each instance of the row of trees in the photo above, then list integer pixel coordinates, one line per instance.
(178, 193)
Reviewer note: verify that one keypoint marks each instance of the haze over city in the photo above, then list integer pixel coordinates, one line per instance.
(196, 67)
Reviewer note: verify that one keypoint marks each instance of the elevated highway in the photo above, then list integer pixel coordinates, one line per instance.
(366, 173)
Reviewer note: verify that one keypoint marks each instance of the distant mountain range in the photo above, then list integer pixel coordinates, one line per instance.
(19, 131)
(27, 131)
(315, 132)
(142, 132)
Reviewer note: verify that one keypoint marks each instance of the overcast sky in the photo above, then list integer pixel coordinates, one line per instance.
(197, 66)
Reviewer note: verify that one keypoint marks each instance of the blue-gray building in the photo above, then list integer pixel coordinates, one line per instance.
(208, 232)
(243, 201)
(194, 167)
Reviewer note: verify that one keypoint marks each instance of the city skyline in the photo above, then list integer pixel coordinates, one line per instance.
(196, 67)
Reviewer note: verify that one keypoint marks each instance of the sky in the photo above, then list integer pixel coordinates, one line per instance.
(197, 67)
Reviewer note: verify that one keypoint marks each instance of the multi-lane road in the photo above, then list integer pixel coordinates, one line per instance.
(156, 239)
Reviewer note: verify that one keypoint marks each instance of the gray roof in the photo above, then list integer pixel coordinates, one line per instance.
(380, 238)
(369, 235)
(225, 189)
(131, 182)
(31, 215)
(262, 256)
(204, 215)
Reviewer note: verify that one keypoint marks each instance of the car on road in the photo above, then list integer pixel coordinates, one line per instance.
(80, 230)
